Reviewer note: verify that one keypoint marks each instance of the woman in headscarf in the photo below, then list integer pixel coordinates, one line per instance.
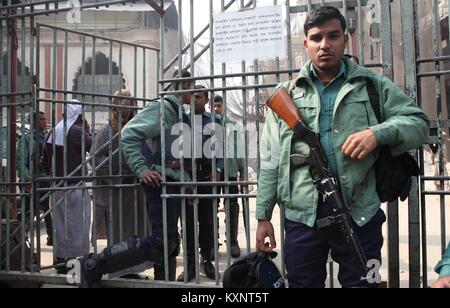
(119, 211)
(71, 207)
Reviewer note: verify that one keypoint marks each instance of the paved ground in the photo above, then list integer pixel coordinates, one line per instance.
(433, 237)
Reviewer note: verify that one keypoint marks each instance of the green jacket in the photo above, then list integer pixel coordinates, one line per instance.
(443, 267)
(405, 128)
(146, 125)
(23, 148)
(235, 164)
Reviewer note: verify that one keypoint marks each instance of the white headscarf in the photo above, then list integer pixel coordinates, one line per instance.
(73, 112)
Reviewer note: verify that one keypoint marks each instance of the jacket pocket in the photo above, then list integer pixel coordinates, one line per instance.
(308, 109)
(357, 116)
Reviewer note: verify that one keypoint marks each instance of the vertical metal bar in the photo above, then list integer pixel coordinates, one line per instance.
(109, 223)
(163, 150)
(120, 67)
(409, 31)
(13, 114)
(135, 70)
(226, 200)
(345, 13)
(361, 42)
(277, 59)
(435, 26)
(2, 88)
(34, 107)
(110, 238)
(30, 148)
(392, 208)
(211, 69)
(144, 79)
(245, 122)
(289, 38)
(193, 121)
(120, 173)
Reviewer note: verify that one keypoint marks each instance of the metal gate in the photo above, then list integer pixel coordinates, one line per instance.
(392, 38)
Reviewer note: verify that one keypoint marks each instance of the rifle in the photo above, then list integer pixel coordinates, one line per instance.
(323, 178)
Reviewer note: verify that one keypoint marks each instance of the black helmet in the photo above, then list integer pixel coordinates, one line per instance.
(255, 270)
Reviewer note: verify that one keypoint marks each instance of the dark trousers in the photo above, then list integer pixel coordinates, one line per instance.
(44, 206)
(155, 210)
(234, 210)
(205, 225)
(306, 251)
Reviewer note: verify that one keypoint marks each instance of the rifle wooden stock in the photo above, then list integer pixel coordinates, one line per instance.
(282, 104)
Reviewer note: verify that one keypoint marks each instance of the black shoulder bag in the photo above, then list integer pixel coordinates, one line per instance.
(393, 174)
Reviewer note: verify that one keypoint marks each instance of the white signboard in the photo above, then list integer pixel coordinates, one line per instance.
(248, 35)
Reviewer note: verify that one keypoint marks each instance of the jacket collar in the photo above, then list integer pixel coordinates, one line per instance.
(353, 71)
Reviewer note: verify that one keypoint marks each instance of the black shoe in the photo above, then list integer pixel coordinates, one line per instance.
(235, 250)
(49, 241)
(88, 271)
(61, 266)
(208, 269)
(191, 275)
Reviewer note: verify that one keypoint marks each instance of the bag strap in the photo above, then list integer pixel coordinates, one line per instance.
(374, 98)
(292, 84)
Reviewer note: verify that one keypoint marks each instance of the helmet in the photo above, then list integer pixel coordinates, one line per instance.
(255, 270)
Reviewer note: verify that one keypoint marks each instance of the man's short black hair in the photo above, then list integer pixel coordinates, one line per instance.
(35, 115)
(175, 84)
(200, 87)
(321, 15)
(218, 99)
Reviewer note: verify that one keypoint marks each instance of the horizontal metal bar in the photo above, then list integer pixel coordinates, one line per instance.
(14, 183)
(13, 195)
(436, 193)
(433, 59)
(433, 74)
(15, 93)
(87, 177)
(91, 94)
(97, 37)
(210, 183)
(351, 4)
(60, 10)
(58, 101)
(436, 178)
(52, 279)
(210, 196)
(16, 104)
(234, 75)
(215, 89)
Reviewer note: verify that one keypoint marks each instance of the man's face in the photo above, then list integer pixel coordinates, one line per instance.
(326, 45)
(200, 102)
(218, 108)
(41, 123)
(186, 97)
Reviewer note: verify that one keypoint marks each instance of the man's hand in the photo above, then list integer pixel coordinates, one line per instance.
(442, 283)
(265, 229)
(359, 146)
(152, 178)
